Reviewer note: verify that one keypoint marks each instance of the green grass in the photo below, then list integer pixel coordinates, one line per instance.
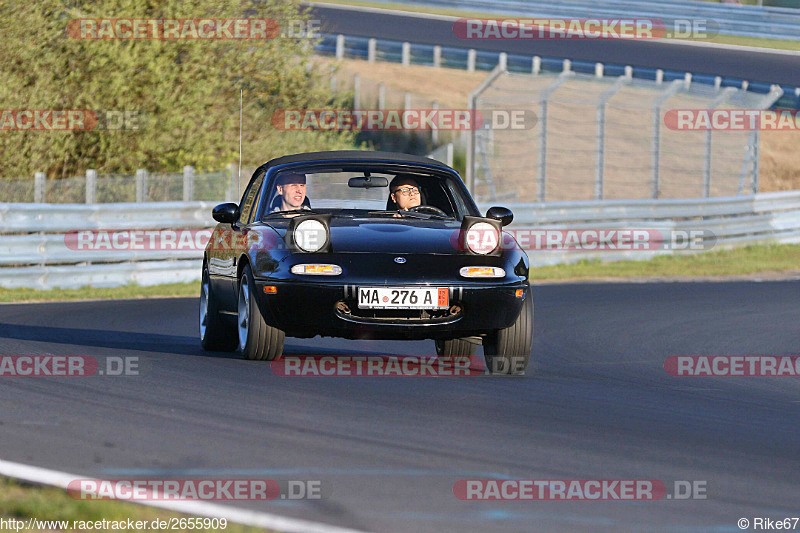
(98, 293)
(22, 501)
(720, 39)
(750, 260)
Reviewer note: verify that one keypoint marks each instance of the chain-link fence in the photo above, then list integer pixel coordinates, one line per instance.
(587, 137)
(189, 185)
(371, 94)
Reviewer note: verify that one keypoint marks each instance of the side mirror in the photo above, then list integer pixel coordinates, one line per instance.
(503, 214)
(226, 213)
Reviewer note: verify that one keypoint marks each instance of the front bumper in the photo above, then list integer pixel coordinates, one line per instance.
(306, 309)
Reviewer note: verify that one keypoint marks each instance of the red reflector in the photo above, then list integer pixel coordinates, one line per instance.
(520, 293)
(270, 289)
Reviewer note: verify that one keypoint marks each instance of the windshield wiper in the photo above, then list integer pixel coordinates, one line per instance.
(295, 212)
(411, 214)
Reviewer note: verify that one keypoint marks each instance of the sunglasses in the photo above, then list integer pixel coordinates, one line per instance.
(406, 191)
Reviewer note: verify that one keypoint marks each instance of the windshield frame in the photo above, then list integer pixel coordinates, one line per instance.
(433, 171)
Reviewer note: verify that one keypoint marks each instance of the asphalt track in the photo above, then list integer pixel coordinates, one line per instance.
(598, 405)
(766, 67)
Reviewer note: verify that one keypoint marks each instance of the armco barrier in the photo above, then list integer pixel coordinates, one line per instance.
(35, 254)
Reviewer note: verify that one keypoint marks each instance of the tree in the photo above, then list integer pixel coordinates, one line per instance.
(184, 93)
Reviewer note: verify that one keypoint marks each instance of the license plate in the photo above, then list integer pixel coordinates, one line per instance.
(403, 298)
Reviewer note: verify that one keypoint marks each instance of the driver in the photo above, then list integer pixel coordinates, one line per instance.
(291, 196)
(405, 193)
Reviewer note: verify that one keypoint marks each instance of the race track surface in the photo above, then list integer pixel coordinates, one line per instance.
(748, 65)
(598, 405)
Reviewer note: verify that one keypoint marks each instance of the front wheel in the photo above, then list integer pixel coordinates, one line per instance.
(508, 351)
(216, 335)
(257, 340)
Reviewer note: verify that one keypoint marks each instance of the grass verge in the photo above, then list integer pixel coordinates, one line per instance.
(777, 44)
(21, 501)
(99, 293)
(762, 260)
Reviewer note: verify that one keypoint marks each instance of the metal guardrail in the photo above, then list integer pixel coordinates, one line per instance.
(35, 252)
(408, 53)
(748, 21)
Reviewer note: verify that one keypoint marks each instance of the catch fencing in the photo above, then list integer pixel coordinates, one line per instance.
(37, 241)
(601, 138)
(142, 187)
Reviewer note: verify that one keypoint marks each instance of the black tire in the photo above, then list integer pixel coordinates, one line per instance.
(455, 347)
(257, 340)
(216, 335)
(508, 351)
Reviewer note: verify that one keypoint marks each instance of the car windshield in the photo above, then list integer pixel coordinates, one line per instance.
(363, 193)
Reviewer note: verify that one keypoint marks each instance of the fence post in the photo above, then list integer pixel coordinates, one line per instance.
(437, 56)
(472, 103)
(381, 96)
(471, 57)
(502, 61)
(91, 186)
(406, 101)
(356, 91)
(541, 179)
(449, 158)
(188, 184)
(598, 70)
(567, 65)
(609, 93)
(716, 102)
(659, 76)
(406, 54)
(141, 185)
(628, 71)
(39, 187)
(655, 151)
(756, 157)
(371, 47)
(536, 65)
(340, 46)
(435, 130)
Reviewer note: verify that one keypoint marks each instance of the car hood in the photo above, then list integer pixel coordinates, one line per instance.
(400, 236)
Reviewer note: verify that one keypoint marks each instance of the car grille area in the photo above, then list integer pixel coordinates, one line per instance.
(349, 310)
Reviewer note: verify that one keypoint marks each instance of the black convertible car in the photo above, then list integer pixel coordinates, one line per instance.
(365, 245)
